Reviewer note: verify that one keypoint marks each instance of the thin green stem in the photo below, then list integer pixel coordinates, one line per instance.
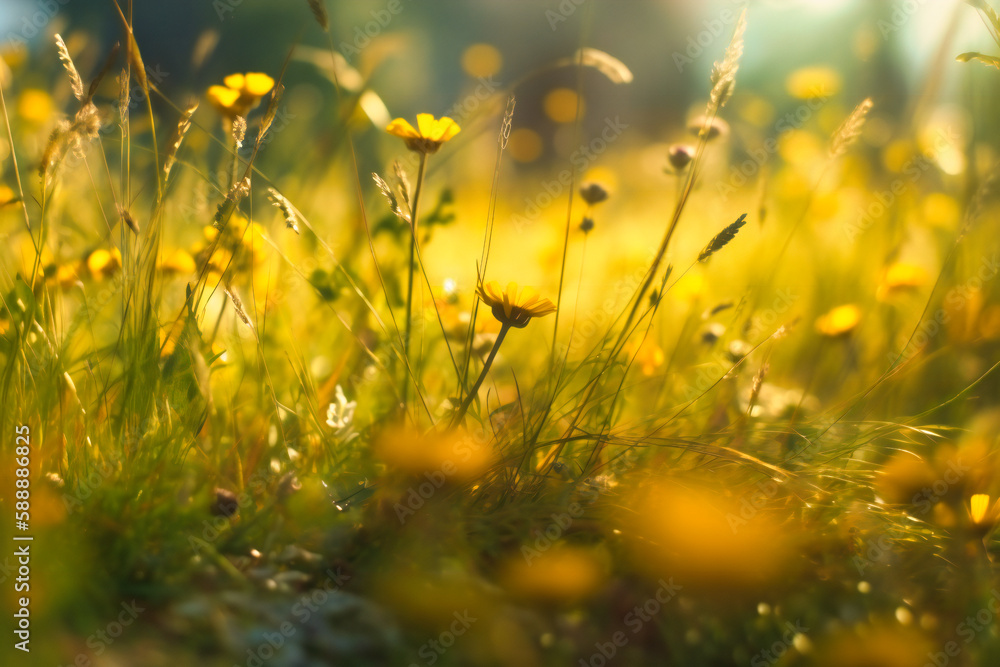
(474, 391)
(414, 211)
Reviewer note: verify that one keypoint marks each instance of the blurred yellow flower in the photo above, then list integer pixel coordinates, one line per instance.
(898, 154)
(901, 276)
(439, 457)
(104, 263)
(799, 147)
(979, 505)
(7, 196)
(902, 478)
(560, 105)
(242, 246)
(705, 540)
(481, 60)
(890, 645)
(649, 356)
(431, 134)
(525, 145)
(809, 83)
(839, 321)
(176, 262)
(240, 94)
(559, 575)
(941, 210)
(65, 276)
(511, 308)
(35, 106)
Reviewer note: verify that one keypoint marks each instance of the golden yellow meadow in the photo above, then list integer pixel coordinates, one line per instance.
(520, 334)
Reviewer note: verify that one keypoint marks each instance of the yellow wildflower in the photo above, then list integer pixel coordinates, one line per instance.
(901, 276)
(839, 321)
(431, 134)
(177, 262)
(512, 308)
(104, 263)
(808, 83)
(240, 94)
(35, 106)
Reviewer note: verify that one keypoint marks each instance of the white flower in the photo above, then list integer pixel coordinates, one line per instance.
(340, 414)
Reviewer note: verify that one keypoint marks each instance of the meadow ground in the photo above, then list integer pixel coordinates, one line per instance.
(554, 364)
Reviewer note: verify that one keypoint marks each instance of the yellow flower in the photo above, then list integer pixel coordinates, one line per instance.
(901, 276)
(65, 276)
(35, 106)
(511, 308)
(648, 355)
(839, 321)
(240, 94)
(177, 262)
(104, 263)
(808, 83)
(978, 506)
(984, 517)
(562, 574)
(432, 133)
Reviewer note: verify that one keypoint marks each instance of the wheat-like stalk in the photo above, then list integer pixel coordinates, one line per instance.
(724, 72)
(239, 190)
(70, 136)
(74, 76)
(286, 208)
(270, 113)
(239, 131)
(403, 180)
(238, 307)
(127, 218)
(720, 240)
(319, 11)
(850, 129)
(183, 125)
(391, 198)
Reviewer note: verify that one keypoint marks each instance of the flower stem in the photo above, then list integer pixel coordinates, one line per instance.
(474, 391)
(404, 390)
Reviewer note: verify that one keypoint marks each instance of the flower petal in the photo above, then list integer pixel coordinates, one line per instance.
(235, 81)
(427, 125)
(258, 84)
(449, 129)
(402, 128)
(223, 98)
